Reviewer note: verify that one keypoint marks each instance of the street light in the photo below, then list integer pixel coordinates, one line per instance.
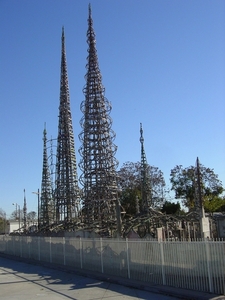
(16, 213)
(38, 194)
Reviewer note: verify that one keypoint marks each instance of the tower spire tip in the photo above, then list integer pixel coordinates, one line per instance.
(63, 34)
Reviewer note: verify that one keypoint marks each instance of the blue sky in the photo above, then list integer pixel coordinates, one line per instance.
(162, 63)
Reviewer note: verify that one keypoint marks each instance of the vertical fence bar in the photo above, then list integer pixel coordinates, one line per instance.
(223, 283)
(14, 249)
(128, 262)
(101, 255)
(5, 245)
(39, 248)
(7, 241)
(29, 247)
(21, 251)
(81, 263)
(201, 269)
(50, 249)
(216, 267)
(64, 252)
(162, 262)
(208, 258)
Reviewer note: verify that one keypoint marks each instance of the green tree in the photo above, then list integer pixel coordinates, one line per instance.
(2, 221)
(16, 214)
(129, 199)
(130, 185)
(214, 204)
(129, 175)
(183, 184)
(171, 208)
(2, 213)
(31, 217)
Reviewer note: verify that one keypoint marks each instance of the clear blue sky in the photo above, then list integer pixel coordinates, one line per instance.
(162, 63)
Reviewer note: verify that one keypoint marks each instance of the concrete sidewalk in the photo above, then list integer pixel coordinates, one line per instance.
(22, 281)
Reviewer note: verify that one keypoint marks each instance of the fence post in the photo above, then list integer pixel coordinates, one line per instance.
(5, 244)
(20, 254)
(50, 249)
(208, 258)
(14, 249)
(29, 246)
(64, 252)
(39, 248)
(81, 246)
(101, 255)
(163, 262)
(128, 262)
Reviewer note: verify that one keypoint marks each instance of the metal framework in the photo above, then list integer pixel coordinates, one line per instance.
(66, 182)
(60, 206)
(24, 212)
(46, 203)
(198, 190)
(145, 180)
(98, 164)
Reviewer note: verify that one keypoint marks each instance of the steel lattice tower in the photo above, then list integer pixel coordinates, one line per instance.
(145, 180)
(25, 212)
(66, 184)
(46, 203)
(198, 189)
(98, 164)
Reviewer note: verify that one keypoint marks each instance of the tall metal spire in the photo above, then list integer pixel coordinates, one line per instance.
(46, 205)
(98, 164)
(145, 180)
(198, 189)
(66, 185)
(24, 212)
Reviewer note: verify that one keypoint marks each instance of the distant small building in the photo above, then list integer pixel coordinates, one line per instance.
(15, 225)
(221, 226)
(11, 226)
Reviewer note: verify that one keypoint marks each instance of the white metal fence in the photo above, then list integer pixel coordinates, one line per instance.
(196, 265)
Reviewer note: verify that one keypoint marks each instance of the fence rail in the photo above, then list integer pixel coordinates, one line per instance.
(192, 265)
